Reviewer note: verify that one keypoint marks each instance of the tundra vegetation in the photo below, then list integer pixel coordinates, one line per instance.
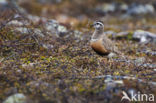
(45, 53)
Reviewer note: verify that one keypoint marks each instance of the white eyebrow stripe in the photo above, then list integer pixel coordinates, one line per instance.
(100, 23)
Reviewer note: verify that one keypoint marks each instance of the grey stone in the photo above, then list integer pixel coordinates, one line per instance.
(36, 19)
(123, 7)
(49, 1)
(16, 98)
(121, 34)
(38, 32)
(110, 33)
(78, 35)
(22, 30)
(54, 27)
(3, 2)
(111, 55)
(136, 9)
(105, 8)
(144, 36)
(140, 60)
(17, 23)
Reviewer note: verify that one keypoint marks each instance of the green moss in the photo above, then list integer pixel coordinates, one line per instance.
(67, 71)
(130, 36)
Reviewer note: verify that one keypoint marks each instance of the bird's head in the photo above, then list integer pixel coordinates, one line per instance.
(98, 25)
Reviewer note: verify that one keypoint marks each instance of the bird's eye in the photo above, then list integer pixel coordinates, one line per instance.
(98, 24)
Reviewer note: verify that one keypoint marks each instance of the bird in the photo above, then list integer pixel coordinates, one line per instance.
(100, 43)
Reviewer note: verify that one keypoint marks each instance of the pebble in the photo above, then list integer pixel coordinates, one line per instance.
(3, 2)
(49, 1)
(123, 7)
(133, 9)
(16, 98)
(147, 65)
(144, 36)
(140, 60)
(38, 32)
(136, 9)
(17, 23)
(105, 8)
(55, 28)
(111, 55)
(149, 52)
(22, 30)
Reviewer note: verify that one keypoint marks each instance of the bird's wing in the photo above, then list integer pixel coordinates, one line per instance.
(108, 44)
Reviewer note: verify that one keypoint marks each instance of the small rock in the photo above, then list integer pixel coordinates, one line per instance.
(17, 16)
(38, 32)
(18, 23)
(111, 55)
(129, 77)
(47, 46)
(61, 29)
(119, 82)
(55, 28)
(148, 65)
(22, 30)
(144, 36)
(3, 2)
(78, 34)
(140, 60)
(106, 8)
(153, 83)
(36, 19)
(110, 33)
(16, 98)
(150, 8)
(111, 83)
(108, 78)
(51, 26)
(124, 34)
(149, 52)
(123, 7)
(30, 65)
(49, 1)
(136, 9)
(111, 7)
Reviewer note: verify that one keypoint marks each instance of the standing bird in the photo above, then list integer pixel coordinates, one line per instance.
(100, 43)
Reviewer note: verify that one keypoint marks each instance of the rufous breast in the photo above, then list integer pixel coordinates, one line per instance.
(98, 47)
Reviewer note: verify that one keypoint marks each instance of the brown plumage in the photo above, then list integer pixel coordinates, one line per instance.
(100, 42)
(98, 47)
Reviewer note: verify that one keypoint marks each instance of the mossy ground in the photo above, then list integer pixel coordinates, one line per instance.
(65, 73)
